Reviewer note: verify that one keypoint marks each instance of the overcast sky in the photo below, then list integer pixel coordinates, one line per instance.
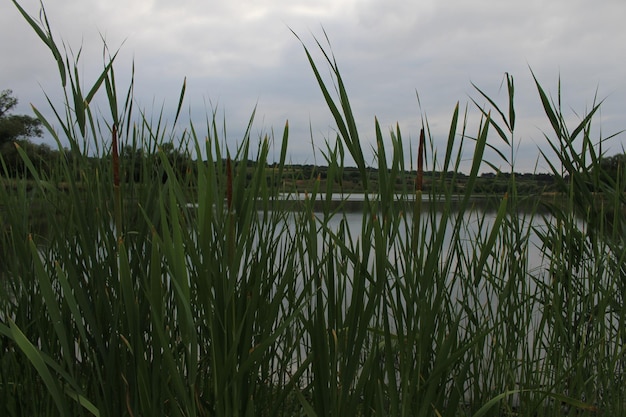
(238, 54)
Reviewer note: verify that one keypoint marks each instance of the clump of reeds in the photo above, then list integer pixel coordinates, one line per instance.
(158, 291)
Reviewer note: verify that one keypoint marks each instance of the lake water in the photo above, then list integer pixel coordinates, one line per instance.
(477, 221)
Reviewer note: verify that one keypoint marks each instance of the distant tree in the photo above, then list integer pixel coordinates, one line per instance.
(41, 156)
(15, 127)
(612, 165)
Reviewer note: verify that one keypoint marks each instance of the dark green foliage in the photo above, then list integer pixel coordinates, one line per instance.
(12, 126)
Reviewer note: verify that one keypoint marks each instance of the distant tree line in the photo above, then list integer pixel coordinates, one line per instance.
(16, 130)
(13, 126)
(139, 165)
(613, 166)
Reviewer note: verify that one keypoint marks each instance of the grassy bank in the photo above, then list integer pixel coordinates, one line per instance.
(136, 302)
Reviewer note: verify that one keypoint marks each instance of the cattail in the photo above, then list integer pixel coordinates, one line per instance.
(229, 184)
(116, 184)
(116, 158)
(230, 232)
(420, 163)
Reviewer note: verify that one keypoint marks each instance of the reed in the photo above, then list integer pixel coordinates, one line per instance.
(161, 290)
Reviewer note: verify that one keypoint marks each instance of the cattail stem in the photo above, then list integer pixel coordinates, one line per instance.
(230, 233)
(116, 158)
(229, 184)
(420, 163)
(419, 180)
(116, 185)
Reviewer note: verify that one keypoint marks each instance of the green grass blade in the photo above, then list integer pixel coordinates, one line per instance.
(38, 363)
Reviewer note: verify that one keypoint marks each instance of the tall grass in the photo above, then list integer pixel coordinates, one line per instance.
(199, 293)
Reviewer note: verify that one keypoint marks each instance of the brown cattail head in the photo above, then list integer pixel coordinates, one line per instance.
(229, 184)
(116, 158)
(420, 163)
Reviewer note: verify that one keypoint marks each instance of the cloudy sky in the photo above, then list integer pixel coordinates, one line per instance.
(238, 54)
